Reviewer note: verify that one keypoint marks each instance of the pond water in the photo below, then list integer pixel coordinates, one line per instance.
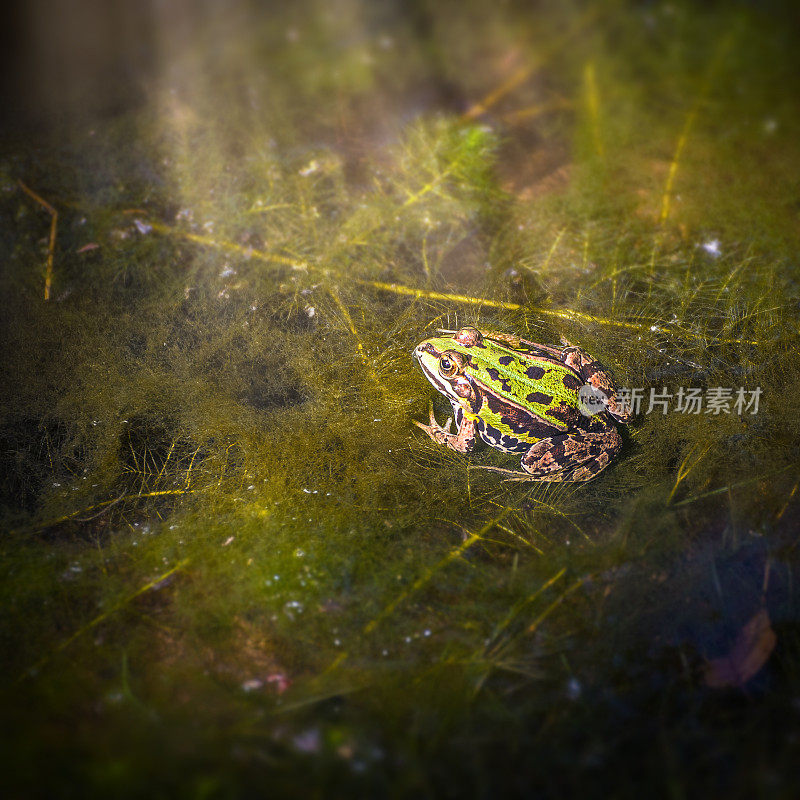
(231, 564)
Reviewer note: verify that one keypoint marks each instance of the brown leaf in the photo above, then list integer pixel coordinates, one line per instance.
(750, 651)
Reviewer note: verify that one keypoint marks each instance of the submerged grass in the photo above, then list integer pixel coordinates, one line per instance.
(230, 562)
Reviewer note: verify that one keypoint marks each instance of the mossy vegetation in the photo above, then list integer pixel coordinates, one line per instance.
(231, 564)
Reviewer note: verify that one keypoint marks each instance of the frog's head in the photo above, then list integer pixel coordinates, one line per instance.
(447, 363)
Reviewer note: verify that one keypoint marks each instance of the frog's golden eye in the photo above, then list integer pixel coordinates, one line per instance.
(448, 366)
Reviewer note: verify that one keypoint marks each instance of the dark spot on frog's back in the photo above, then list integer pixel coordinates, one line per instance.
(517, 419)
(535, 373)
(494, 374)
(540, 397)
(505, 360)
(572, 381)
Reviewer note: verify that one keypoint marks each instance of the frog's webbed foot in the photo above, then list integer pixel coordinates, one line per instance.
(512, 474)
(564, 476)
(434, 429)
(439, 433)
(461, 442)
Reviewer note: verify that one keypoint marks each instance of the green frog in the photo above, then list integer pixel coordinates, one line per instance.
(523, 397)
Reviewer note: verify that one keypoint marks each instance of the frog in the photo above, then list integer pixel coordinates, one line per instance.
(523, 397)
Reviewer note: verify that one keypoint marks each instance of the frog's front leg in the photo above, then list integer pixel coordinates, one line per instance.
(462, 442)
(594, 373)
(572, 457)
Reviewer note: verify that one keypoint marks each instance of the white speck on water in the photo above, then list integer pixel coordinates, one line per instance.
(310, 311)
(574, 688)
(337, 643)
(299, 553)
(408, 640)
(770, 125)
(291, 606)
(250, 487)
(252, 685)
(142, 227)
(712, 247)
(427, 632)
(227, 271)
(227, 541)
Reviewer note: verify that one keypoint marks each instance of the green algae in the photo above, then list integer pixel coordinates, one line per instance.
(229, 560)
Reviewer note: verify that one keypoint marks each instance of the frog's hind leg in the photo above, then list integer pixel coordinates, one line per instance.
(594, 373)
(572, 457)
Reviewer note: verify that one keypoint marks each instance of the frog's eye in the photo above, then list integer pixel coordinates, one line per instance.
(448, 366)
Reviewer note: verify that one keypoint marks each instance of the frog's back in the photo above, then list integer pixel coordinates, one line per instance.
(534, 381)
